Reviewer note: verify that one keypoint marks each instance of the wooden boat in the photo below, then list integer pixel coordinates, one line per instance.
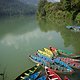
(69, 59)
(31, 77)
(44, 53)
(28, 72)
(63, 52)
(66, 78)
(57, 61)
(38, 60)
(56, 67)
(44, 57)
(48, 51)
(70, 27)
(42, 78)
(71, 62)
(51, 74)
(73, 27)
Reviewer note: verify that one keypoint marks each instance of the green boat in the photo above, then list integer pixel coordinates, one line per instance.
(64, 52)
(28, 72)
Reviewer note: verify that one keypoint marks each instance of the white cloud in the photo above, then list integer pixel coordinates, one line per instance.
(54, 0)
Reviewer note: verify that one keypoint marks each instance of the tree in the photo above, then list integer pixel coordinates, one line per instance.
(41, 9)
(66, 4)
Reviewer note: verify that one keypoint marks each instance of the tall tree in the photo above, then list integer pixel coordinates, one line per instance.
(67, 5)
(41, 9)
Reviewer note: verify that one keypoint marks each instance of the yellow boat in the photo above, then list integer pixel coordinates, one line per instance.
(48, 51)
(45, 53)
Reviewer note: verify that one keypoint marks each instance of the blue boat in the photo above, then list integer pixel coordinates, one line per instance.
(28, 72)
(38, 60)
(43, 57)
(56, 67)
(42, 78)
(56, 60)
(31, 77)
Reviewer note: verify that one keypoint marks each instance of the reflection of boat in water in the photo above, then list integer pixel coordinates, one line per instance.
(74, 28)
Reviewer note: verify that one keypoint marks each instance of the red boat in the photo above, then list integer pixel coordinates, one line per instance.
(51, 75)
(71, 62)
(66, 78)
(70, 59)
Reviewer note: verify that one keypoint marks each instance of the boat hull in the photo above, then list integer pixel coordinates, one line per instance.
(28, 72)
(51, 74)
(56, 67)
(71, 62)
(63, 52)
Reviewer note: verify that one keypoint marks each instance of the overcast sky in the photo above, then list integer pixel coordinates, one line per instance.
(54, 0)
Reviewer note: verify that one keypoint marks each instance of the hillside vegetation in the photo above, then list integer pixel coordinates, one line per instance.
(65, 9)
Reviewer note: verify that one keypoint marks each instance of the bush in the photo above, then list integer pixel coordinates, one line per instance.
(78, 18)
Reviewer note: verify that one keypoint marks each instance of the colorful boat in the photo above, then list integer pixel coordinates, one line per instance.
(48, 51)
(66, 78)
(44, 57)
(71, 62)
(69, 59)
(63, 52)
(42, 78)
(45, 53)
(57, 61)
(56, 67)
(73, 27)
(28, 72)
(61, 63)
(51, 74)
(31, 77)
(38, 60)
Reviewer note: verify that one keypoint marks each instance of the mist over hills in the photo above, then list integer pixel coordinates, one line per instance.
(17, 7)
(33, 2)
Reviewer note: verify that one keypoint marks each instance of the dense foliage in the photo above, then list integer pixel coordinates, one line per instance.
(15, 7)
(63, 9)
(41, 9)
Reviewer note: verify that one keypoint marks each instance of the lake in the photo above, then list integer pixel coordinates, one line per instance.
(21, 36)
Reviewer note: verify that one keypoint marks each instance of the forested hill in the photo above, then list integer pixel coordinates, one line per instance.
(16, 7)
(65, 9)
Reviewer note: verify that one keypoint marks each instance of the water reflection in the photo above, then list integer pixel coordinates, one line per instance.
(70, 38)
(22, 36)
(16, 25)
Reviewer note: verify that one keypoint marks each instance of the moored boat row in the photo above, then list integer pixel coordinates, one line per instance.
(49, 75)
(56, 67)
(50, 60)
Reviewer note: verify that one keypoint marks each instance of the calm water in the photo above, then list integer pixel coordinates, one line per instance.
(22, 36)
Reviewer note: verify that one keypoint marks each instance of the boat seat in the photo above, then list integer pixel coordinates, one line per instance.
(51, 78)
(51, 75)
(26, 74)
